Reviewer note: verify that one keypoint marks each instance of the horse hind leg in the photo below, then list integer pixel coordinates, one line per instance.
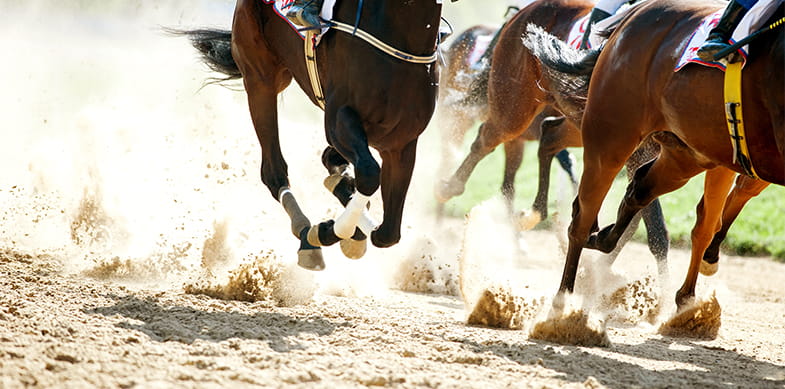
(745, 189)
(669, 171)
(513, 156)
(709, 213)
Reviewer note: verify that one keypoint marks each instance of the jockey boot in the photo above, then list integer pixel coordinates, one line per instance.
(596, 15)
(719, 36)
(305, 13)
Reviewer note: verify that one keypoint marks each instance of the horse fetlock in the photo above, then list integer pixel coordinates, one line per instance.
(602, 240)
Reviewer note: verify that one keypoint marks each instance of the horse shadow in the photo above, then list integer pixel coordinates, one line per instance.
(658, 362)
(186, 324)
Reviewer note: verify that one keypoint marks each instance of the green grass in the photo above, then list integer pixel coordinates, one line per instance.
(759, 229)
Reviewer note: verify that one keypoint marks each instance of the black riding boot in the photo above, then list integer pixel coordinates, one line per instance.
(718, 36)
(305, 13)
(596, 15)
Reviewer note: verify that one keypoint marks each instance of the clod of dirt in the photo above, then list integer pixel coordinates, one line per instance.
(260, 278)
(216, 251)
(634, 302)
(90, 224)
(573, 328)
(700, 320)
(421, 272)
(497, 307)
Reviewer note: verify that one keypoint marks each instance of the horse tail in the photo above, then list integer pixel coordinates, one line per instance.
(557, 55)
(478, 89)
(215, 47)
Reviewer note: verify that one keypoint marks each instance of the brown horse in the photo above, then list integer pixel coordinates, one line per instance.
(371, 98)
(517, 94)
(463, 100)
(634, 94)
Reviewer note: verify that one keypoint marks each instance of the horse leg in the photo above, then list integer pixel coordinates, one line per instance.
(709, 211)
(347, 136)
(567, 162)
(745, 189)
(513, 156)
(397, 167)
(671, 170)
(341, 184)
(552, 141)
(262, 104)
(656, 231)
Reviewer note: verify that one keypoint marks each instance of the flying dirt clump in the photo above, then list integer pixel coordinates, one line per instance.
(90, 224)
(158, 266)
(422, 272)
(258, 278)
(701, 320)
(498, 307)
(634, 302)
(575, 327)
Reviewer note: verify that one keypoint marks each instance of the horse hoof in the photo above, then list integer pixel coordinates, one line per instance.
(527, 220)
(445, 190)
(354, 249)
(310, 259)
(709, 269)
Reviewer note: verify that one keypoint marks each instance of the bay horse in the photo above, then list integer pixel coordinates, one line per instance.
(634, 94)
(371, 99)
(517, 93)
(463, 100)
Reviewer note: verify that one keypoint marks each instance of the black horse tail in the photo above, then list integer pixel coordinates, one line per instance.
(215, 47)
(557, 55)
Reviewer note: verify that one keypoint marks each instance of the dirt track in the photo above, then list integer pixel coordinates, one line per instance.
(123, 187)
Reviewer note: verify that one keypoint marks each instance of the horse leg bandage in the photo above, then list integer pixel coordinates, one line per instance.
(350, 218)
(299, 220)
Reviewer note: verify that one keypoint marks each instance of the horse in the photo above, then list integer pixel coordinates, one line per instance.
(516, 95)
(371, 98)
(634, 94)
(463, 101)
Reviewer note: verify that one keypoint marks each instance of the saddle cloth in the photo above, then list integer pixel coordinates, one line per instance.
(478, 49)
(752, 21)
(576, 32)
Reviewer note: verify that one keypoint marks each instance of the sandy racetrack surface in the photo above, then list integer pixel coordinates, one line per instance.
(139, 249)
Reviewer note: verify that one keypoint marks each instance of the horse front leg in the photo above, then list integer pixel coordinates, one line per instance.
(397, 168)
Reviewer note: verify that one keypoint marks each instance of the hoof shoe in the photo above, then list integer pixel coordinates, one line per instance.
(311, 259)
(354, 249)
(709, 269)
(526, 220)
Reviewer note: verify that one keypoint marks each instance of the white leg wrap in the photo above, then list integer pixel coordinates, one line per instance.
(366, 223)
(348, 220)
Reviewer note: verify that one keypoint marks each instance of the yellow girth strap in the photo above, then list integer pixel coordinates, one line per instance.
(741, 153)
(313, 70)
